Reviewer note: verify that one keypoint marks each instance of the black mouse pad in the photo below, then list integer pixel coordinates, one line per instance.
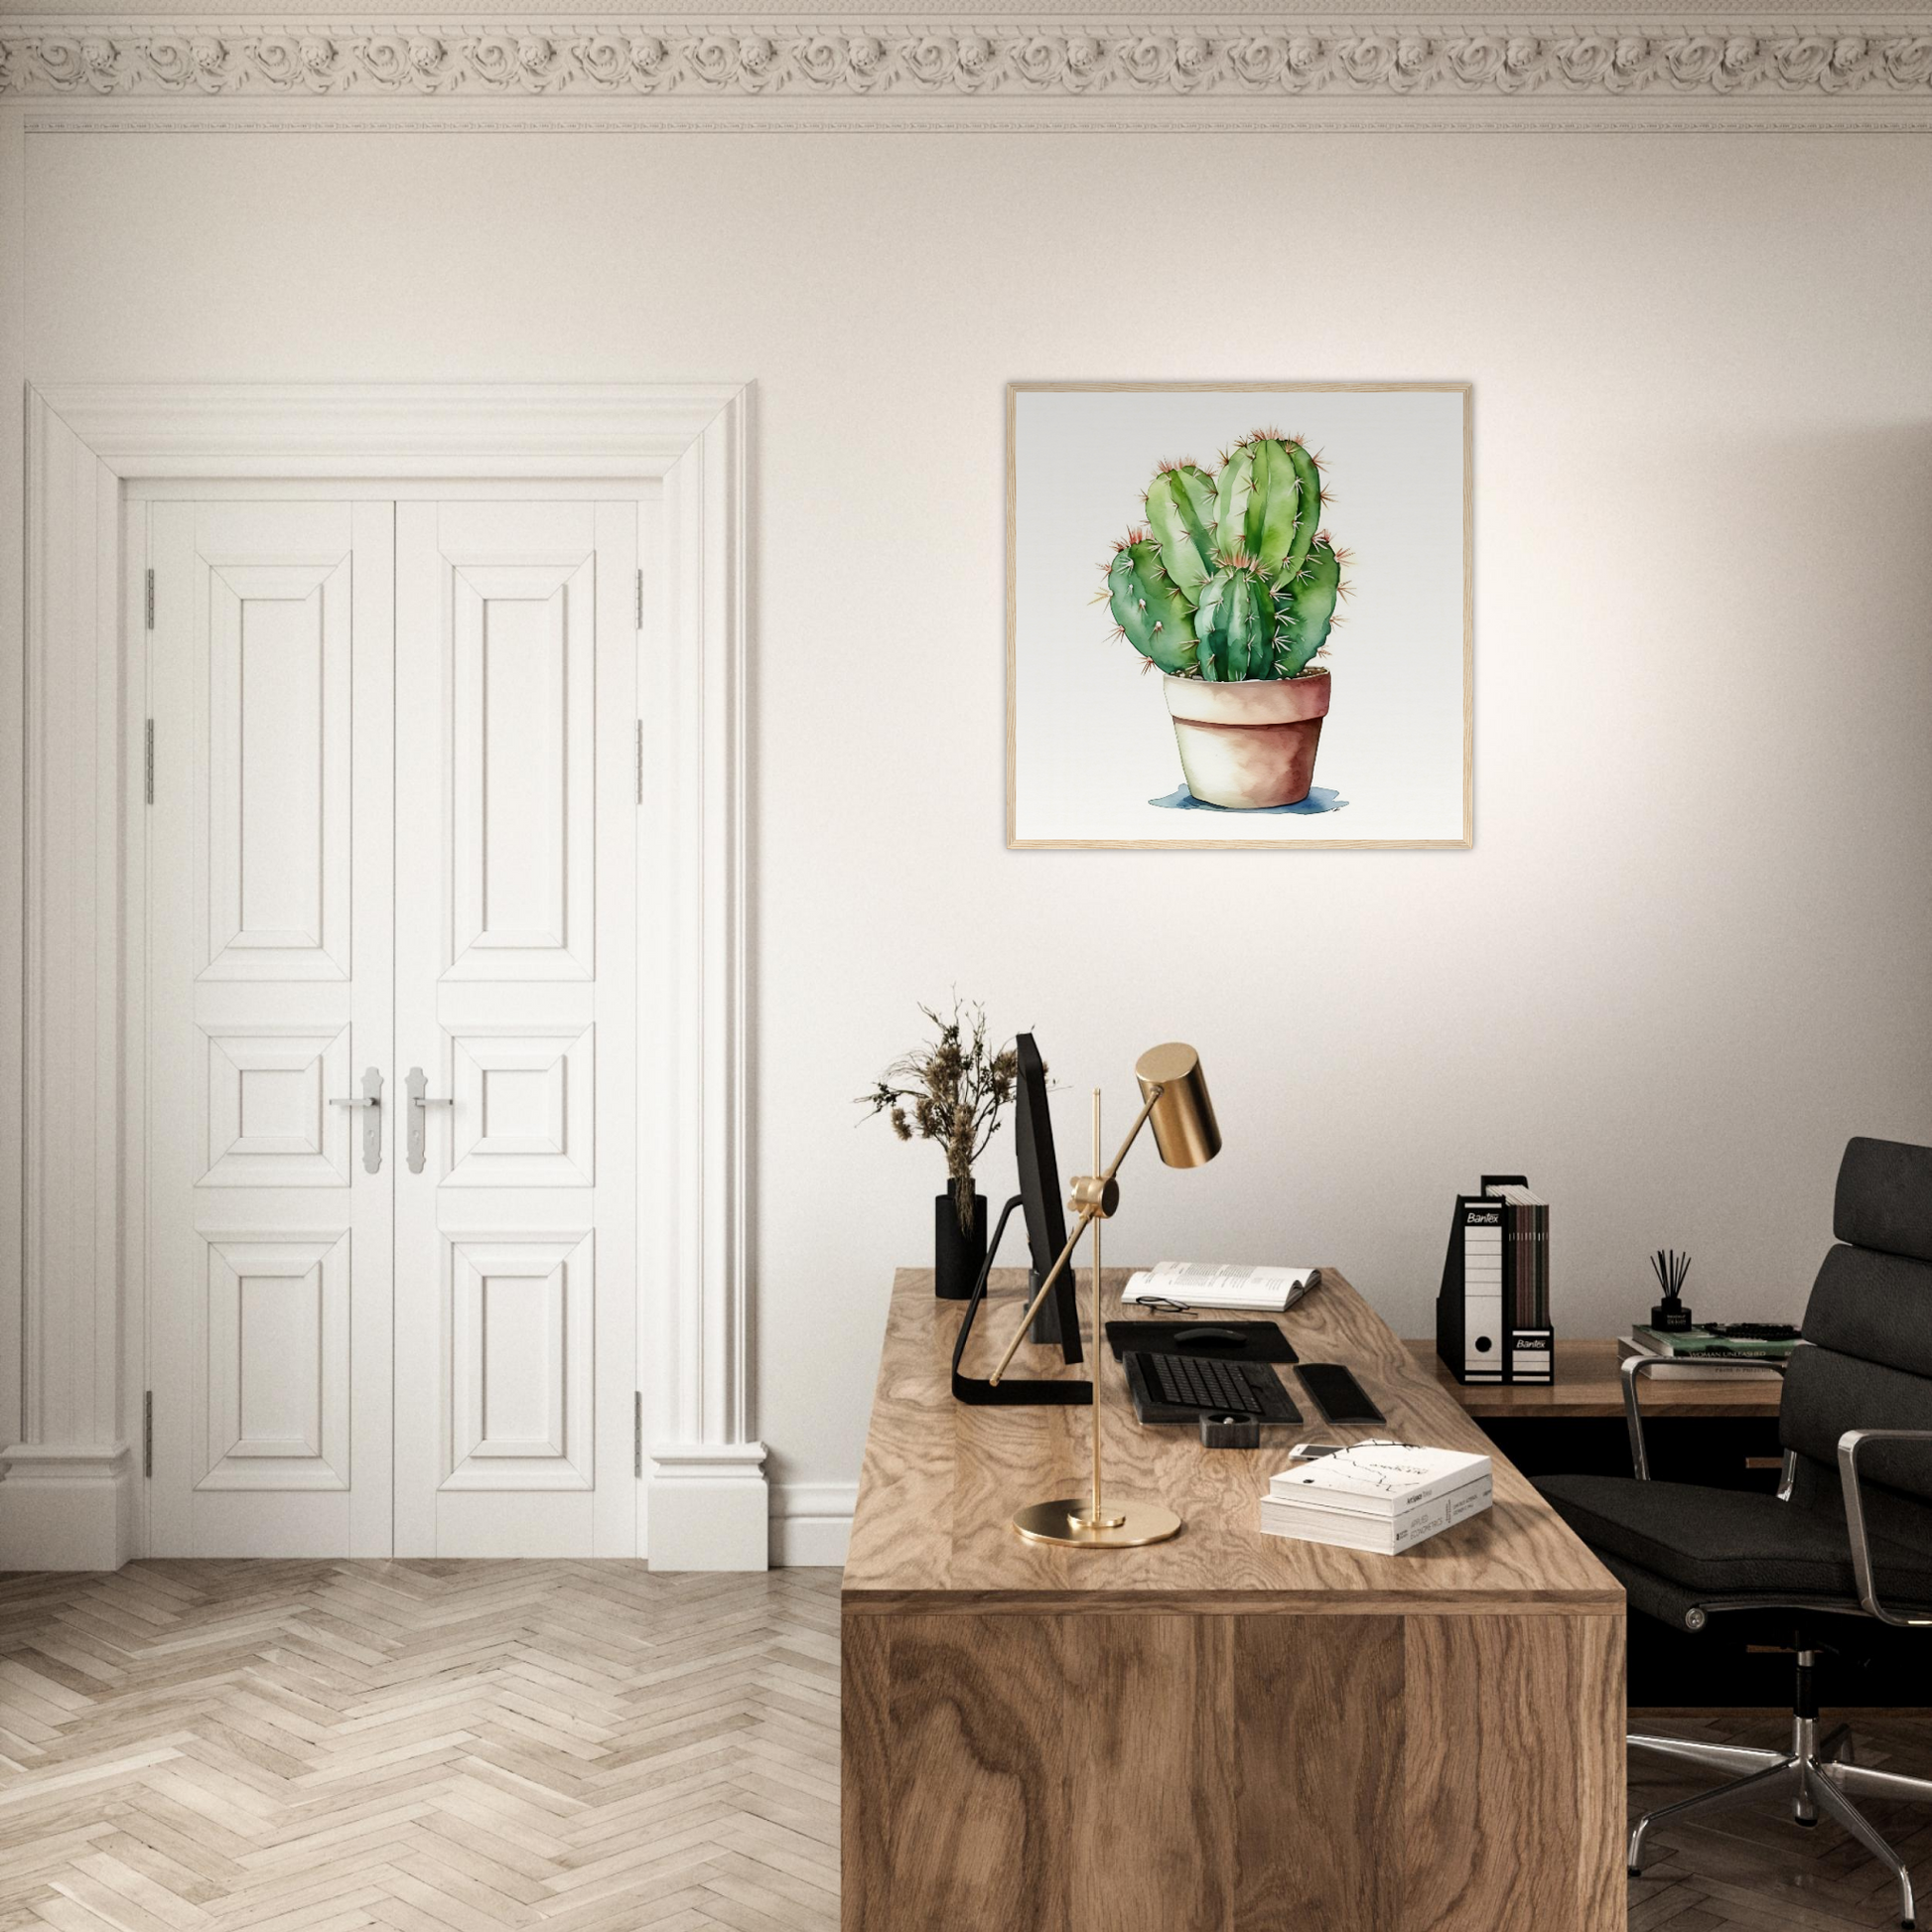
(1217, 1341)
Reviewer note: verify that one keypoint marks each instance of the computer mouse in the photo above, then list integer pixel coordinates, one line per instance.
(1208, 1337)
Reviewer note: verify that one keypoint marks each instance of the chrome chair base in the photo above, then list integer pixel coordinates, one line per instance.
(1818, 1776)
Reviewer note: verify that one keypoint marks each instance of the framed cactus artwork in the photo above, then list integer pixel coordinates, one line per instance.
(1239, 614)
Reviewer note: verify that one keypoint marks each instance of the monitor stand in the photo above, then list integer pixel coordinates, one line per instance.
(1046, 1324)
(1011, 1391)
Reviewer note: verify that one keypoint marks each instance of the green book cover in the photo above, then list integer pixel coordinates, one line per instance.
(1700, 1341)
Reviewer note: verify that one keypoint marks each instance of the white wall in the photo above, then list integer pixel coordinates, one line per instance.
(1688, 954)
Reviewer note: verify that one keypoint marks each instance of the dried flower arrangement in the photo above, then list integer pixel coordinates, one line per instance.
(952, 1091)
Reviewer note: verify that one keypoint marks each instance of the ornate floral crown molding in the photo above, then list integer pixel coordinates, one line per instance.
(1026, 72)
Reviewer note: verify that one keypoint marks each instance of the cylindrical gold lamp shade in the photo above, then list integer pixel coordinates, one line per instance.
(1184, 1128)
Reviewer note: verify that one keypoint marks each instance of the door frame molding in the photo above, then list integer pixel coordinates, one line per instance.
(71, 1398)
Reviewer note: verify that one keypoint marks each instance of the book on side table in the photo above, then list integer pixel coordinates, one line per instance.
(1690, 1355)
(1380, 1496)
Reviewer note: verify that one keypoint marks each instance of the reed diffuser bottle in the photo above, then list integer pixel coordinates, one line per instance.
(1670, 1315)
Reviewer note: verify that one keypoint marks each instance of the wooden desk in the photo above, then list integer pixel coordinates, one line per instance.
(1229, 1732)
(1587, 1385)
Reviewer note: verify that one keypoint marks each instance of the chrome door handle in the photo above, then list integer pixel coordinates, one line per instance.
(371, 1098)
(417, 1081)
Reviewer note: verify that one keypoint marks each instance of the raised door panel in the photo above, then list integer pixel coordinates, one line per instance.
(278, 763)
(522, 1342)
(525, 1107)
(521, 768)
(269, 995)
(276, 1398)
(266, 1110)
(516, 636)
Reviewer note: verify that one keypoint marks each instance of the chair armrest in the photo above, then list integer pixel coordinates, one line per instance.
(1849, 1446)
(1636, 1366)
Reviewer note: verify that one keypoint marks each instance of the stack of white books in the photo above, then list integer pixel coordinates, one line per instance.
(1386, 1497)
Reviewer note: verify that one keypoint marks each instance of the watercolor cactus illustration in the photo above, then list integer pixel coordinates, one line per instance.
(1229, 589)
(1232, 578)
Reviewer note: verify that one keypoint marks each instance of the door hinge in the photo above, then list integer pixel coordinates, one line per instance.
(148, 761)
(150, 595)
(147, 1433)
(637, 1434)
(640, 598)
(641, 761)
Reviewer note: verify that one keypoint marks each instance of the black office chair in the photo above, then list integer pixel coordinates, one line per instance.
(1848, 1534)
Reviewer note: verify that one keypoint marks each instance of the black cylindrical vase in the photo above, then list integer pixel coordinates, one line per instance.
(957, 1258)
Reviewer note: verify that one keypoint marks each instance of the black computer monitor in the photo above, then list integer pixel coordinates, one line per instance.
(1039, 1193)
(1039, 1200)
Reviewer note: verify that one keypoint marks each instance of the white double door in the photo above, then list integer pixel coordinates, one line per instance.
(390, 860)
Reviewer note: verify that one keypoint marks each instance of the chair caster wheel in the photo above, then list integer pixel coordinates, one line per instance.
(1807, 1823)
(1633, 1871)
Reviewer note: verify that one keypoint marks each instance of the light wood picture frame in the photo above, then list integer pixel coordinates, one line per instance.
(1231, 760)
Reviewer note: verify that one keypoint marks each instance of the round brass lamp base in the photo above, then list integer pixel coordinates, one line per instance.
(1064, 1521)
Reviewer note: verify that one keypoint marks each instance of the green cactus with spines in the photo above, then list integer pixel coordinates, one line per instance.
(1308, 607)
(1181, 515)
(1156, 619)
(1308, 521)
(1232, 580)
(1258, 503)
(1234, 624)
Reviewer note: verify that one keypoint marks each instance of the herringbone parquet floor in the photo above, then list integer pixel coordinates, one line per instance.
(571, 1747)
(1753, 1869)
(427, 1746)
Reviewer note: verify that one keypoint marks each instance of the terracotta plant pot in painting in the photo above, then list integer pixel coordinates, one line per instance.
(1249, 744)
(1229, 589)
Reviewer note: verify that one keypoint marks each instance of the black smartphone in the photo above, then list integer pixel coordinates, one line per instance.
(1338, 1394)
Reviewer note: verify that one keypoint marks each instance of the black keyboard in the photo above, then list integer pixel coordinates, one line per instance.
(1208, 1387)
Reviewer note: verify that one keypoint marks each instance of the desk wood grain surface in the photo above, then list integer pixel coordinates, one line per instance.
(1229, 1732)
(941, 1481)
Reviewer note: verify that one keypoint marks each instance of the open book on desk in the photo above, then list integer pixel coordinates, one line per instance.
(1213, 1284)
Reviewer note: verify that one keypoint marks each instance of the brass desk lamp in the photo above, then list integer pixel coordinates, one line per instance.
(1175, 1100)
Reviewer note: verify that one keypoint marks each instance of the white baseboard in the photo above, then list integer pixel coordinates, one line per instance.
(73, 1508)
(66, 1506)
(710, 1507)
(811, 1523)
